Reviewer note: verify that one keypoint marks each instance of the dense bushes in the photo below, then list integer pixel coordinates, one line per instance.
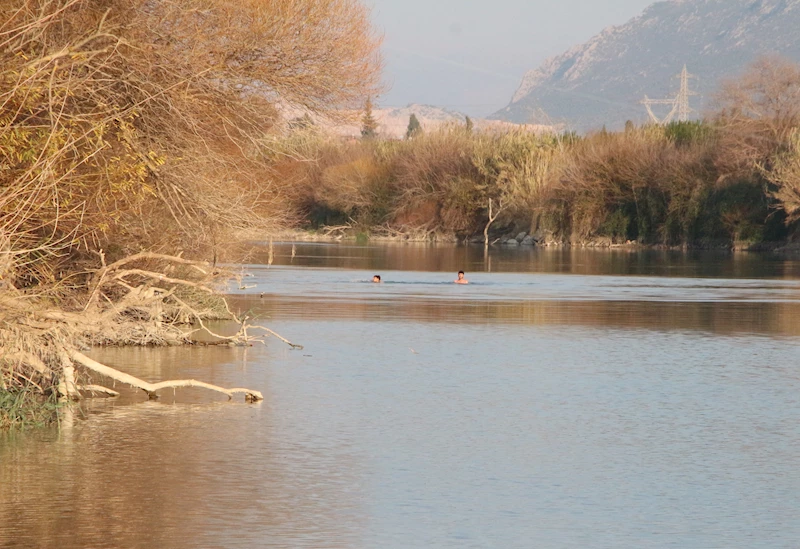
(653, 185)
(732, 178)
(438, 182)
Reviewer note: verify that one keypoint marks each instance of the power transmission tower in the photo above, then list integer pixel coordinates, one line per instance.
(680, 103)
(684, 110)
(648, 103)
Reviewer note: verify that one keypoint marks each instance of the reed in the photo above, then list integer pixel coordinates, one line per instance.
(437, 182)
(27, 407)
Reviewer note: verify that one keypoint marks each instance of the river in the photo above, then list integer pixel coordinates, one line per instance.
(562, 399)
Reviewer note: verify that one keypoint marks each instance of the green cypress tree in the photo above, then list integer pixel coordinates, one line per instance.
(369, 126)
(414, 127)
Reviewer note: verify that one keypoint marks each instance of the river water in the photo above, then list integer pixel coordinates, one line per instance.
(562, 399)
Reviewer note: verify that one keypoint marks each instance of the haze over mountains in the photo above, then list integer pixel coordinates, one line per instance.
(602, 81)
(393, 121)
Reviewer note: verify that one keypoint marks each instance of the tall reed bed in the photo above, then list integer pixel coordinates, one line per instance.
(436, 183)
(672, 185)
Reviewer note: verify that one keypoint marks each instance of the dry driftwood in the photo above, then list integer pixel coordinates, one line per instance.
(492, 217)
(151, 388)
(130, 301)
(92, 389)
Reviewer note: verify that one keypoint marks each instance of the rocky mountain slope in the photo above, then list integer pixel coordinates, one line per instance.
(602, 81)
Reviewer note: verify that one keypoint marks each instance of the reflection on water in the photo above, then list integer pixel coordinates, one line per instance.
(771, 319)
(544, 405)
(617, 261)
(525, 290)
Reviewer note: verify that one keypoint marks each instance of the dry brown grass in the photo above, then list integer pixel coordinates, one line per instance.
(605, 171)
(704, 183)
(438, 182)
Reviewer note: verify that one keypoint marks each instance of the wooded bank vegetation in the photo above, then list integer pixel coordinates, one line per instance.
(731, 179)
(131, 132)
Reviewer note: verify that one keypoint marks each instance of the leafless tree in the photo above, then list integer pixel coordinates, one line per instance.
(757, 113)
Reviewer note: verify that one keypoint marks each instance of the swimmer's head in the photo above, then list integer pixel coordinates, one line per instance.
(376, 278)
(460, 275)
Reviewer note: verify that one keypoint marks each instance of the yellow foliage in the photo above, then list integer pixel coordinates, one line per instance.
(785, 175)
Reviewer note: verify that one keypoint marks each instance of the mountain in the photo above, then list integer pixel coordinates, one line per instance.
(602, 81)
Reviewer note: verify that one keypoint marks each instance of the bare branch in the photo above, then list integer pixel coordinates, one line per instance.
(151, 388)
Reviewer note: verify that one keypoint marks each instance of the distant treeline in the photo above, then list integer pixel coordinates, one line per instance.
(732, 178)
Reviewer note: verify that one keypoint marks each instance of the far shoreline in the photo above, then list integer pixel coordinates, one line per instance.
(505, 242)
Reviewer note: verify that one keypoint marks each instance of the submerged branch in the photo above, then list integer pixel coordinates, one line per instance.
(98, 389)
(289, 343)
(151, 388)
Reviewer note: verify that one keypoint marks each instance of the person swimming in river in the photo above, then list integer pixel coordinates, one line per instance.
(461, 279)
(376, 278)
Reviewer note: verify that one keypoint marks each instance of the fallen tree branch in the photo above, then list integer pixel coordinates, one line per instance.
(161, 257)
(196, 315)
(100, 275)
(26, 358)
(292, 345)
(240, 336)
(66, 386)
(98, 389)
(151, 388)
(163, 278)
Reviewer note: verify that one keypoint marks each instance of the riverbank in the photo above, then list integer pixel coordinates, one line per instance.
(509, 240)
(146, 299)
(728, 178)
(122, 180)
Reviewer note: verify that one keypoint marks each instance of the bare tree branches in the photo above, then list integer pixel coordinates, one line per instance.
(493, 214)
(758, 111)
(137, 124)
(784, 174)
(132, 302)
(133, 129)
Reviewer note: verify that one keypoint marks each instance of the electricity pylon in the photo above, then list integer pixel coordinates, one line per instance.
(684, 110)
(680, 103)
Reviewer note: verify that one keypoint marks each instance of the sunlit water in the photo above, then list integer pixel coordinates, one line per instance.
(562, 399)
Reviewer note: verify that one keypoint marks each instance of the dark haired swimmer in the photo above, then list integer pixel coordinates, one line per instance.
(376, 278)
(461, 279)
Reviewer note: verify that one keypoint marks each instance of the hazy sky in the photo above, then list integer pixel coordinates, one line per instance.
(470, 55)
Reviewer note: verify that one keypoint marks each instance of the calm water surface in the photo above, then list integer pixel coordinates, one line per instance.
(563, 399)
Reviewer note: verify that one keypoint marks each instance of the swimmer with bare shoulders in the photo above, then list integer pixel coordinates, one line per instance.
(461, 279)
(376, 278)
